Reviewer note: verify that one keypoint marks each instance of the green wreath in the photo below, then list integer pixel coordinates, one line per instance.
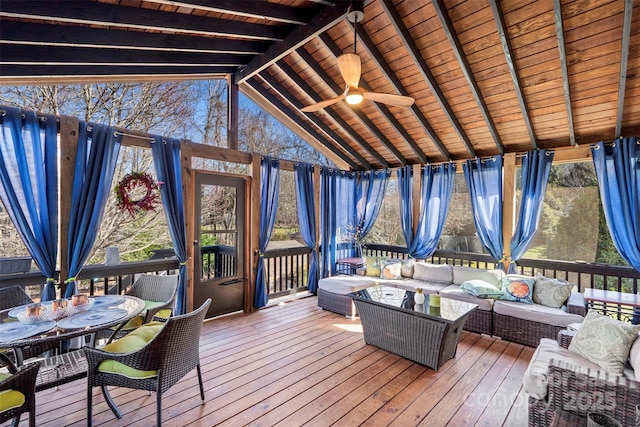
(131, 182)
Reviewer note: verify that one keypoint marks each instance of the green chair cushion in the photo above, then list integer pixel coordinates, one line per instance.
(132, 342)
(10, 399)
(136, 322)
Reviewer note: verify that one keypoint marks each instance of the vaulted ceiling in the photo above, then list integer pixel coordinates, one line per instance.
(488, 76)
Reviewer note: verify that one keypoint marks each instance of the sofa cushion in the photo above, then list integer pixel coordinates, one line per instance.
(391, 269)
(372, 266)
(456, 292)
(605, 341)
(481, 289)
(462, 274)
(518, 288)
(634, 357)
(413, 284)
(342, 284)
(536, 377)
(407, 268)
(435, 273)
(551, 292)
(536, 312)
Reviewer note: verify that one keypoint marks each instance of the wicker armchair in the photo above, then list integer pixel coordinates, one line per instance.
(579, 390)
(173, 352)
(15, 296)
(22, 380)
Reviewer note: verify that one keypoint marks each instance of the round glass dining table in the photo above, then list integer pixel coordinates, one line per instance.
(19, 333)
(105, 312)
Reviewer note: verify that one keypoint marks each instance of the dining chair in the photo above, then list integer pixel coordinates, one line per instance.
(153, 357)
(157, 292)
(15, 296)
(18, 391)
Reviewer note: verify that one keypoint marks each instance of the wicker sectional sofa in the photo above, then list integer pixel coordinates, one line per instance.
(513, 321)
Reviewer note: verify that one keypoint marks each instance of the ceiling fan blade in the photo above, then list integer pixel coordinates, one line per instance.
(387, 98)
(322, 104)
(350, 68)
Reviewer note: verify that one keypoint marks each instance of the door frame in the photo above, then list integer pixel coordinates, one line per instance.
(246, 238)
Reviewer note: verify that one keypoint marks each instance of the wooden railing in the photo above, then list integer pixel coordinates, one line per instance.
(583, 274)
(95, 279)
(218, 261)
(287, 270)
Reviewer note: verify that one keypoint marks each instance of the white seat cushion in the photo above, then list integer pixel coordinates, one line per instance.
(412, 284)
(536, 312)
(536, 377)
(342, 284)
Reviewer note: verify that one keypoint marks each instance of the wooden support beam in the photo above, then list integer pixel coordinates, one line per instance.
(451, 34)
(69, 134)
(508, 202)
(232, 114)
(254, 232)
(515, 77)
(30, 33)
(566, 87)
(325, 19)
(413, 50)
(188, 196)
(624, 60)
(116, 16)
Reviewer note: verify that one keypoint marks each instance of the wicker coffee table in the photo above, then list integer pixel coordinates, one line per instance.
(422, 333)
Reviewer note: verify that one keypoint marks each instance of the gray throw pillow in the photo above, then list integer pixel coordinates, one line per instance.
(551, 292)
(605, 341)
(434, 273)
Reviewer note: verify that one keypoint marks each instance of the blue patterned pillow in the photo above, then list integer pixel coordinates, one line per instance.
(517, 288)
(481, 289)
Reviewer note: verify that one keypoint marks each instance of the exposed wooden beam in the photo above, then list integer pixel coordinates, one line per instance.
(29, 33)
(233, 109)
(52, 74)
(414, 52)
(99, 76)
(624, 59)
(451, 34)
(557, 12)
(395, 81)
(109, 15)
(384, 110)
(335, 50)
(311, 62)
(325, 19)
(286, 69)
(508, 54)
(322, 144)
(62, 55)
(248, 9)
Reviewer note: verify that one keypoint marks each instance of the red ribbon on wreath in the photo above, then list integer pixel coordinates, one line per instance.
(131, 182)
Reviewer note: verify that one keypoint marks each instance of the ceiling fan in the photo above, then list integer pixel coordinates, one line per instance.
(351, 68)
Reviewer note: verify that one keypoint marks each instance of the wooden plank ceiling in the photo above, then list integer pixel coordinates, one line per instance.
(487, 76)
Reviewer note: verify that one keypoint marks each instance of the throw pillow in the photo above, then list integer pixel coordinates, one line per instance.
(634, 357)
(517, 288)
(434, 273)
(391, 269)
(407, 268)
(551, 292)
(462, 274)
(372, 266)
(604, 341)
(481, 289)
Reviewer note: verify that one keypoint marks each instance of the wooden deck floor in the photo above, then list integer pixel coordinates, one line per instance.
(295, 364)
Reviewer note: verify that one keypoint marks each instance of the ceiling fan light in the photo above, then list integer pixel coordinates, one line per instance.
(354, 97)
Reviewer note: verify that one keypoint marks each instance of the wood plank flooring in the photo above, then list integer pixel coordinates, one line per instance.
(294, 364)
